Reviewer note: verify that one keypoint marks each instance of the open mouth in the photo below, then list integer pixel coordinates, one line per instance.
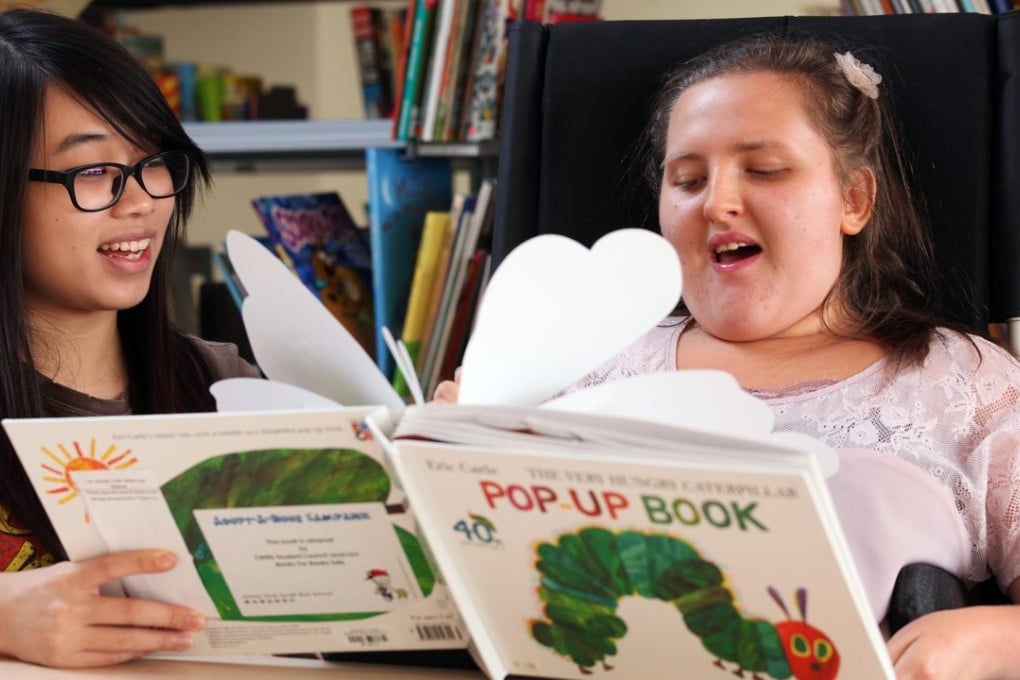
(126, 250)
(735, 252)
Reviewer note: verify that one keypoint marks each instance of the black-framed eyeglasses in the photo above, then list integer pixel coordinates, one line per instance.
(98, 186)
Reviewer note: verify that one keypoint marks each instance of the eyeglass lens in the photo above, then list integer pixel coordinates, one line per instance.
(99, 186)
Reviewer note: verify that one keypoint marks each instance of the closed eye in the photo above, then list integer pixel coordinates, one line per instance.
(767, 173)
(686, 183)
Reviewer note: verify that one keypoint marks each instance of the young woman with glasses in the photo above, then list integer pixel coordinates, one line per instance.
(97, 180)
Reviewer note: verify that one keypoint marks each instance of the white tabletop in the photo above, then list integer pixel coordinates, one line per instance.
(236, 668)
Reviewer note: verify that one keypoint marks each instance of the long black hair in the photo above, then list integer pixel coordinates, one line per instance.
(165, 373)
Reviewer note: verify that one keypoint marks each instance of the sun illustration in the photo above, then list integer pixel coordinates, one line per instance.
(66, 462)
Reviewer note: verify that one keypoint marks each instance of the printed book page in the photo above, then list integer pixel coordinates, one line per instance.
(292, 535)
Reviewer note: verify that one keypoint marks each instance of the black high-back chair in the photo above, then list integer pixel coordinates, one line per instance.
(578, 95)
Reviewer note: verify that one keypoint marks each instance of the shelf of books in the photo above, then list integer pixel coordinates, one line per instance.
(254, 144)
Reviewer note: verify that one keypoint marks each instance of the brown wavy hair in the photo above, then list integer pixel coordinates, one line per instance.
(886, 282)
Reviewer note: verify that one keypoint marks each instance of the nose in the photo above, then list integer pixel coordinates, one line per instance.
(722, 196)
(134, 200)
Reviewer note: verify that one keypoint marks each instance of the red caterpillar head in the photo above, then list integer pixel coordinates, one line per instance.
(809, 652)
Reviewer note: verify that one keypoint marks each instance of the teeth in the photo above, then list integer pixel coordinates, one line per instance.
(126, 246)
(730, 246)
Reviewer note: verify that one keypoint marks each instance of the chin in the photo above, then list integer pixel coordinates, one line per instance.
(120, 303)
(734, 332)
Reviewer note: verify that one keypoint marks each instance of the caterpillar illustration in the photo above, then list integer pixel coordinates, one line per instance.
(586, 574)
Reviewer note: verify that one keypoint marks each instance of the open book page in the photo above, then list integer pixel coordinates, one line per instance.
(292, 535)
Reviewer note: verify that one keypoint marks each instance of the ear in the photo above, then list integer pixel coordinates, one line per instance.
(858, 201)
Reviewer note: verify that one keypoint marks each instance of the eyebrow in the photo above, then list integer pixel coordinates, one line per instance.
(743, 147)
(79, 138)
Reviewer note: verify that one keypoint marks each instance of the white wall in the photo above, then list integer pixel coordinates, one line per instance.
(309, 45)
(615, 10)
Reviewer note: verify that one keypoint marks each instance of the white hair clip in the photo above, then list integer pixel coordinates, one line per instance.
(860, 75)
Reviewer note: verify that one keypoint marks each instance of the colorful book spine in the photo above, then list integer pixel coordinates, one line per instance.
(458, 52)
(433, 235)
(436, 68)
(414, 71)
(401, 60)
(373, 65)
(535, 10)
(461, 209)
(464, 314)
(469, 236)
(482, 110)
(401, 191)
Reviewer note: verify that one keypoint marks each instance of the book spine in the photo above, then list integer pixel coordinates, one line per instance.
(535, 10)
(441, 44)
(483, 107)
(460, 212)
(376, 97)
(391, 30)
(425, 267)
(400, 75)
(414, 75)
(452, 90)
(467, 243)
(463, 315)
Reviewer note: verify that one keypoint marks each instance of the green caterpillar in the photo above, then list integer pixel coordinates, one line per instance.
(586, 574)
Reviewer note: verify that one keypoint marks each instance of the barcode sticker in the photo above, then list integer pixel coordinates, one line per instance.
(441, 631)
(367, 639)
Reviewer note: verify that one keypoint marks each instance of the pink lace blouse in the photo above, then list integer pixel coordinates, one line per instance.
(956, 417)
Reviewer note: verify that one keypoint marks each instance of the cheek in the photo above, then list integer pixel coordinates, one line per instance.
(164, 220)
(674, 222)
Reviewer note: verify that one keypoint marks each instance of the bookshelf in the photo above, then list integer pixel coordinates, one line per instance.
(309, 44)
(310, 144)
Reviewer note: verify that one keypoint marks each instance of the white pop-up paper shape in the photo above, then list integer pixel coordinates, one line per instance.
(294, 337)
(555, 310)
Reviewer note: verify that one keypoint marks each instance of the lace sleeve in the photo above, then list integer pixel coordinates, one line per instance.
(654, 352)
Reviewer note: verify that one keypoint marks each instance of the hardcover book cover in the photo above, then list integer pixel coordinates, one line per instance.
(316, 235)
(674, 554)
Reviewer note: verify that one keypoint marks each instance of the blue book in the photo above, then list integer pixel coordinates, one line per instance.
(187, 76)
(400, 191)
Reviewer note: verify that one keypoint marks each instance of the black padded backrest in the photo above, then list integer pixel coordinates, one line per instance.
(578, 95)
